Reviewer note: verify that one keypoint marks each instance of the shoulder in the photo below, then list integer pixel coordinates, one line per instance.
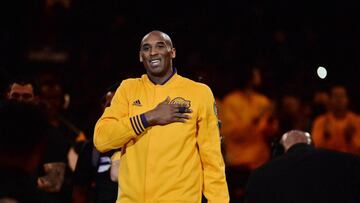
(235, 95)
(198, 87)
(131, 81)
(320, 119)
(346, 157)
(262, 99)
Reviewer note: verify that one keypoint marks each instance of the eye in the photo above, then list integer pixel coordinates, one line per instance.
(27, 96)
(161, 46)
(15, 95)
(145, 48)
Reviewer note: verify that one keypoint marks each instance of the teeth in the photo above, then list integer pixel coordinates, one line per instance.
(155, 62)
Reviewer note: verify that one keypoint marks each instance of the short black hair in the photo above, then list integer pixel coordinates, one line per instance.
(24, 80)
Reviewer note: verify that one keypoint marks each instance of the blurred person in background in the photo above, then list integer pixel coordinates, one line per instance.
(247, 127)
(339, 128)
(320, 103)
(22, 148)
(304, 174)
(51, 169)
(55, 100)
(96, 174)
(293, 114)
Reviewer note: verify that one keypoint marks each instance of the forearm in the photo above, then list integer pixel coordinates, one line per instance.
(215, 186)
(111, 133)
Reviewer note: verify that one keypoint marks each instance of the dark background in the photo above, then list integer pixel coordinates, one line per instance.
(92, 44)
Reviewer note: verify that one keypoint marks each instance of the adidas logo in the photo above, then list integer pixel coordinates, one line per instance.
(137, 103)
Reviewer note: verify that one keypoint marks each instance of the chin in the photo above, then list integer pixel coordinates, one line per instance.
(157, 73)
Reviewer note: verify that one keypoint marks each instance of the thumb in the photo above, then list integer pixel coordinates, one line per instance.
(167, 100)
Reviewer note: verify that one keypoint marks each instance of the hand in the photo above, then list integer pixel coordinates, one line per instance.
(114, 170)
(54, 177)
(165, 113)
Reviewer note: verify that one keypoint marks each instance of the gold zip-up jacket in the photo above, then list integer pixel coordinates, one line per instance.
(161, 164)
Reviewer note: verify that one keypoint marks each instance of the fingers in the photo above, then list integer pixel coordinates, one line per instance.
(166, 113)
(180, 115)
(182, 109)
(180, 120)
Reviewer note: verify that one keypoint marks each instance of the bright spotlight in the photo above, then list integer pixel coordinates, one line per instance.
(322, 72)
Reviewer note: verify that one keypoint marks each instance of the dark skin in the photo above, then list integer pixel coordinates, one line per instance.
(156, 53)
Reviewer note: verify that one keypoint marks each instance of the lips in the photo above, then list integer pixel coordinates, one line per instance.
(155, 62)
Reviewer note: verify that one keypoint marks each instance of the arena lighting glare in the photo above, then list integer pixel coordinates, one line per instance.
(322, 72)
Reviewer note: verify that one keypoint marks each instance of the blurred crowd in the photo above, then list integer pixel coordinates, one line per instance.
(43, 150)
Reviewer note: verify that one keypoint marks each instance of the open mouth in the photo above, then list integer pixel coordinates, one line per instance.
(155, 62)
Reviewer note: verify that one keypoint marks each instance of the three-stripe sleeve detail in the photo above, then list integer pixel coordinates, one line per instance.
(139, 123)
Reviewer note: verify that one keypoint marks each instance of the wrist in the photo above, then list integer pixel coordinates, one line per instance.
(149, 118)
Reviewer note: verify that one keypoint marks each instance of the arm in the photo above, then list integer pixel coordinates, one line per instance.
(54, 164)
(115, 127)
(215, 186)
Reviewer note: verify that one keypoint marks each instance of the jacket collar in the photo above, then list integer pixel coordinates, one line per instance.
(168, 81)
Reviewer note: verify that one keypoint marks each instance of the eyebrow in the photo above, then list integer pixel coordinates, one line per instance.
(160, 42)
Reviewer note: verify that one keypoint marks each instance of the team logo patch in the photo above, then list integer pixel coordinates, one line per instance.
(181, 101)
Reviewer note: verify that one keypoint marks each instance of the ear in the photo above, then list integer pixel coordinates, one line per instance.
(173, 53)
(140, 57)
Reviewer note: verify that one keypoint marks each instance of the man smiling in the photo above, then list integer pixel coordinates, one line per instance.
(169, 135)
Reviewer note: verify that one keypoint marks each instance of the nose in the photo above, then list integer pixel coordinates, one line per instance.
(153, 52)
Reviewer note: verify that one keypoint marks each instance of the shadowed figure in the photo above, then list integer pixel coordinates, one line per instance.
(305, 175)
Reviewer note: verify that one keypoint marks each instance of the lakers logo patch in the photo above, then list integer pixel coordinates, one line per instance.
(181, 101)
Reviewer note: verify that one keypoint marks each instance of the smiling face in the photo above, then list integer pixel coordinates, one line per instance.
(156, 53)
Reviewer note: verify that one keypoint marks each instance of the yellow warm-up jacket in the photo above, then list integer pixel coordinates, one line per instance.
(171, 163)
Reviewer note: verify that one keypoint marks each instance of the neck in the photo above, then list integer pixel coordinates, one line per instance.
(159, 80)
